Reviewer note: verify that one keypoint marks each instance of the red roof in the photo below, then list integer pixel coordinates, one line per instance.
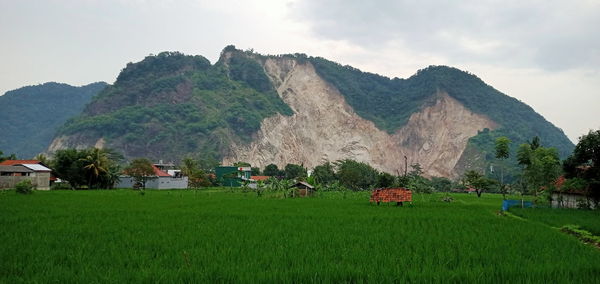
(257, 178)
(159, 173)
(19, 162)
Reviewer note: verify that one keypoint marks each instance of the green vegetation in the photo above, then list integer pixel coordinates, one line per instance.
(94, 168)
(587, 219)
(541, 165)
(387, 102)
(172, 105)
(583, 166)
(390, 102)
(24, 187)
(31, 115)
(216, 236)
(141, 171)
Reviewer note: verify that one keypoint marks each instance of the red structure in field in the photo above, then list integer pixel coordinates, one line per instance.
(398, 195)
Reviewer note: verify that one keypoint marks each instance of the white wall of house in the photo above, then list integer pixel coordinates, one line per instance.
(156, 183)
(566, 200)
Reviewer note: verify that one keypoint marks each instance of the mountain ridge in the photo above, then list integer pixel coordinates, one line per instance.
(229, 101)
(31, 114)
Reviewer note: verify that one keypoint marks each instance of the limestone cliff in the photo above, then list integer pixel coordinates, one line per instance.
(325, 128)
(303, 110)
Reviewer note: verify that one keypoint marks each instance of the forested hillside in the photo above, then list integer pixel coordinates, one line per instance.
(390, 102)
(171, 105)
(31, 115)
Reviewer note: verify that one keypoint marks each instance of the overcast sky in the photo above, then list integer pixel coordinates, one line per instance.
(545, 53)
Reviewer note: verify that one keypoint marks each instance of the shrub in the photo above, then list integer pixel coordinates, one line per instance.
(24, 187)
(60, 185)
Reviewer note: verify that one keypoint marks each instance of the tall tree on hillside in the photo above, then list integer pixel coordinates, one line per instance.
(502, 153)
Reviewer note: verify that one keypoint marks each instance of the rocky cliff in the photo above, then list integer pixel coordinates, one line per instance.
(303, 110)
(325, 128)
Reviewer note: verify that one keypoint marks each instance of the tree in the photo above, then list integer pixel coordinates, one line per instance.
(196, 176)
(324, 174)
(584, 163)
(477, 181)
(42, 158)
(68, 165)
(96, 163)
(271, 170)
(241, 164)
(385, 180)
(293, 171)
(141, 171)
(535, 143)
(255, 171)
(541, 166)
(502, 153)
(356, 175)
(9, 157)
(441, 184)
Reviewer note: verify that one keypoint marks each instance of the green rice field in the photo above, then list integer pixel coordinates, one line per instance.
(587, 219)
(230, 236)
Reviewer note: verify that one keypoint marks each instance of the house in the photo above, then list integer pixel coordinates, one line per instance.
(233, 176)
(163, 178)
(573, 198)
(304, 188)
(11, 175)
(40, 175)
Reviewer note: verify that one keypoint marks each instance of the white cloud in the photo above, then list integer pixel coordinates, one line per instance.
(546, 53)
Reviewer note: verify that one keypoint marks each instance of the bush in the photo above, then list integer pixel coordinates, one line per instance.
(60, 185)
(24, 187)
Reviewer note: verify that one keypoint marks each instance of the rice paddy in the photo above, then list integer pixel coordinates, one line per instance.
(223, 236)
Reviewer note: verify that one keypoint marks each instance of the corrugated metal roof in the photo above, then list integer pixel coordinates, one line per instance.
(14, 169)
(37, 167)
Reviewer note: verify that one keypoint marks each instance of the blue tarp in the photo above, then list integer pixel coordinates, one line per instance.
(509, 203)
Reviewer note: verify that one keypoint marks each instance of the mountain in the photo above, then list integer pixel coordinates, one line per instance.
(304, 110)
(30, 115)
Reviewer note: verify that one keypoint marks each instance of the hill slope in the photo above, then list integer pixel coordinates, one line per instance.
(304, 110)
(31, 115)
(172, 105)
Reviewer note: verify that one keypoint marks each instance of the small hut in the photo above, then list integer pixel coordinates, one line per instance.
(304, 188)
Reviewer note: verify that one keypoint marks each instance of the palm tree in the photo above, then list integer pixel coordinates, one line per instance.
(97, 163)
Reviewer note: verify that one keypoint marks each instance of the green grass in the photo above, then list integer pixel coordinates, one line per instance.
(218, 236)
(587, 219)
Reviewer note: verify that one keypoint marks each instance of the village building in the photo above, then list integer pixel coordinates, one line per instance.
(304, 188)
(573, 198)
(165, 177)
(38, 173)
(233, 176)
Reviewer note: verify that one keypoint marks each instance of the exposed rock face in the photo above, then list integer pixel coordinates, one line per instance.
(74, 141)
(325, 128)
